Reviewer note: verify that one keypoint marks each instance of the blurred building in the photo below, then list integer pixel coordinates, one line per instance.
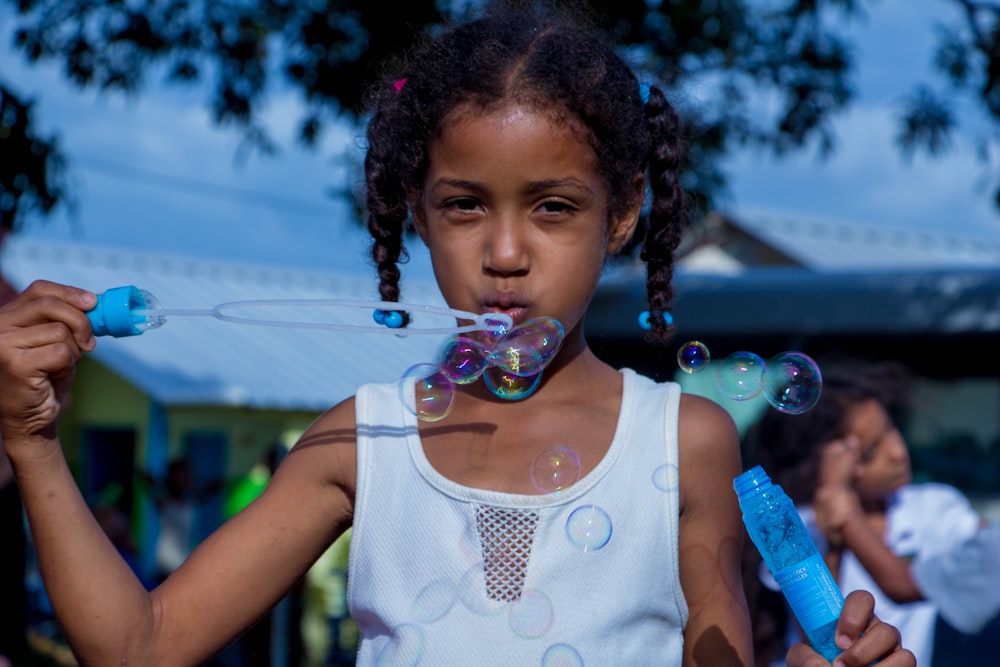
(218, 393)
(768, 285)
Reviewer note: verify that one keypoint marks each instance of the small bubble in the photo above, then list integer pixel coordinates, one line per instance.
(509, 386)
(693, 357)
(792, 382)
(556, 468)
(531, 614)
(406, 647)
(665, 478)
(740, 375)
(464, 359)
(470, 593)
(588, 528)
(561, 655)
(433, 392)
(434, 601)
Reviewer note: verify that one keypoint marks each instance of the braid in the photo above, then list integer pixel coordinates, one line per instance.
(667, 214)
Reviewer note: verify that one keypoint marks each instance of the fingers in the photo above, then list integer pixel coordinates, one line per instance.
(865, 638)
(800, 655)
(855, 617)
(46, 302)
(43, 333)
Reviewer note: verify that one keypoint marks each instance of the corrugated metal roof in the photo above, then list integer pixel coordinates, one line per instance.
(798, 301)
(205, 361)
(831, 245)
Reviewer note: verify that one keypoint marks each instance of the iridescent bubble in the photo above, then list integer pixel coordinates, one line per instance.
(490, 337)
(434, 601)
(433, 392)
(561, 655)
(556, 468)
(531, 614)
(740, 375)
(693, 357)
(792, 382)
(665, 477)
(509, 386)
(463, 359)
(516, 359)
(470, 593)
(406, 648)
(588, 528)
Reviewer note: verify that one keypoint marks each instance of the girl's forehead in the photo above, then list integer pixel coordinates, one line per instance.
(506, 113)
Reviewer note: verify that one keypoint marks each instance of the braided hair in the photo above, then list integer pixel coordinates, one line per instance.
(549, 62)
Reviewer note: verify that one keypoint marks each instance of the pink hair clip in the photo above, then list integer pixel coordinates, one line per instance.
(398, 85)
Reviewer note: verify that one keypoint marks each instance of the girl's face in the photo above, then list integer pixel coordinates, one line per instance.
(884, 463)
(515, 215)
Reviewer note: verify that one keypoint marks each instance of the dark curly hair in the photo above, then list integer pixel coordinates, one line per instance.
(788, 446)
(545, 59)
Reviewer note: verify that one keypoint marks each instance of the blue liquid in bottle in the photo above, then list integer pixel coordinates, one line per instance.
(784, 543)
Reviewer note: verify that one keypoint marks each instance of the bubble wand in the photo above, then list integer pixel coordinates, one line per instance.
(129, 311)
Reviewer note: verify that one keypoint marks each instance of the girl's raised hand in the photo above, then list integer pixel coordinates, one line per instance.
(43, 333)
(864, 638)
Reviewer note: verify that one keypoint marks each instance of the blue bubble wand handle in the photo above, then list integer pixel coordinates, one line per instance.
(777, 530)
(129, 311)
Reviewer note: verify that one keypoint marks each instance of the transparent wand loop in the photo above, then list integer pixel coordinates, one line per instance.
(223, 311)
(128, 311)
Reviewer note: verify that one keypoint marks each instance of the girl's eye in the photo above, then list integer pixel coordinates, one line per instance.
(557, 206)
(462, 204)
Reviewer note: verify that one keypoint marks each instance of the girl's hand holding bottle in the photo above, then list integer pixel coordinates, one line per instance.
(863, 638)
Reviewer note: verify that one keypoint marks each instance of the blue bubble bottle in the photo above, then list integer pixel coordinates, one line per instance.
(776, 529)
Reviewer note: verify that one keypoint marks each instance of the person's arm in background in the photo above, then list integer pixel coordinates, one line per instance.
(844, 522)
(965, 582)
(864, 638)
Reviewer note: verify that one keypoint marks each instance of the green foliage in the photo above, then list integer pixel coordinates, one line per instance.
(769, 74)
(32, 171)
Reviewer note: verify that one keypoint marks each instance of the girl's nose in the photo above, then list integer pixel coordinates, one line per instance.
(897, 446)
(506, 250)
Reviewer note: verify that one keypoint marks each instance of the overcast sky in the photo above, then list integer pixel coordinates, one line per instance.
(153, 173)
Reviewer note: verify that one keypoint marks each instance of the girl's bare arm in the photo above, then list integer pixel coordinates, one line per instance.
(711, 533)
(106, 614)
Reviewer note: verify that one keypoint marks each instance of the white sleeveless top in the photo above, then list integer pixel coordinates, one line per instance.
(442, 574)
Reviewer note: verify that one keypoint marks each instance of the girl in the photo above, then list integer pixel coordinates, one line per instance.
(521, 148)
(847, 466)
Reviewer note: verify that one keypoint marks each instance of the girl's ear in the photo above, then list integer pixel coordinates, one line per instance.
(623, 226)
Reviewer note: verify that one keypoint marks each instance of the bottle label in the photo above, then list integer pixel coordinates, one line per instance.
(811, 592)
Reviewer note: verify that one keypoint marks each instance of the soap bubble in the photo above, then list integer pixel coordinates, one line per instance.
(509, 386)
(740, 375)
(693, 356)
(434, 393)
(561, 655)
(792, 382)
(556, 468)
(405, 649)
(531, 614)
(666, 477)
(543, 334)
(516, 359)
(434, 601)
(464, 359)
(588, 528)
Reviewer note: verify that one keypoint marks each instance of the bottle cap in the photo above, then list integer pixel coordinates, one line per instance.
(754, 479)
(112, 316)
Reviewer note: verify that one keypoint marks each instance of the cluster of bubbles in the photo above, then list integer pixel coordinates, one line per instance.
(509, 362)
(791, 381)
